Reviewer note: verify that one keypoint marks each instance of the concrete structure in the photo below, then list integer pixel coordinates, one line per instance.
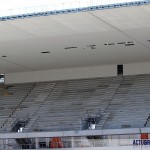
(76, 44)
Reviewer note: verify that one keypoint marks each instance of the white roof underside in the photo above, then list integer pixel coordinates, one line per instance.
(23, 40)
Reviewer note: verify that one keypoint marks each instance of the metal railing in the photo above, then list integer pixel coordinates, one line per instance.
(61, 6)
(78, 143)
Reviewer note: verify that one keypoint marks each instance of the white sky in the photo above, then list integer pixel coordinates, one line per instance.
(28, 6)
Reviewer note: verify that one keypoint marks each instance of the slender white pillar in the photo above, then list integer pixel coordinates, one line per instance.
(72, 142)
(37, 143)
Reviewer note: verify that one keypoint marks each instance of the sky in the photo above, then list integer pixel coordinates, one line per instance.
(12, 7)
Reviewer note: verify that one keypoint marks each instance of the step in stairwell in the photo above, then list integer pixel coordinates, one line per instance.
(110, 94)
(41, 100)
(7, 126)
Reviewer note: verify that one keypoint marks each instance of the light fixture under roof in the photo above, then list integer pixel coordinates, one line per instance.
(4, 56)
(112, 44)
(45, 52)
(92, 46)
(129, 43)
(70, 47)
(121, 43)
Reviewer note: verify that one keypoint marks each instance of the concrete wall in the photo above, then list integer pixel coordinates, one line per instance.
(76, 73)
(61, 74)
(137, 68)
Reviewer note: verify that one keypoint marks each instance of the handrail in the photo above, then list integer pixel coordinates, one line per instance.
(127, 131)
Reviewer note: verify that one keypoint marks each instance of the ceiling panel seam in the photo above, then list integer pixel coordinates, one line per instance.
(24, 67)
(119, 30)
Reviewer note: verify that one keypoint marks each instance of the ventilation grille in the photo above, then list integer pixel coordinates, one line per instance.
(129, 43)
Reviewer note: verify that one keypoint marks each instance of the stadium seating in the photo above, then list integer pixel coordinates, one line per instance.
(121, 102)
(11, 96)
(69, 102)
(130, 106)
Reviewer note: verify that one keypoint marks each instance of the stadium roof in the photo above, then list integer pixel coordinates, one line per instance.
(29, 8)
(110, 36)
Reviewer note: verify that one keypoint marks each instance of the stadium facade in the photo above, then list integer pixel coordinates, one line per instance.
(76, 78)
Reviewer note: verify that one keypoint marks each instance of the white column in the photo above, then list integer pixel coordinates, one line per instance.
(72, 142)
(37, 143)
(6, 143)
(47, 142)
(2, 144)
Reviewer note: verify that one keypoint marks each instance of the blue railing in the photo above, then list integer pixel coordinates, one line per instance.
(63, 8)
